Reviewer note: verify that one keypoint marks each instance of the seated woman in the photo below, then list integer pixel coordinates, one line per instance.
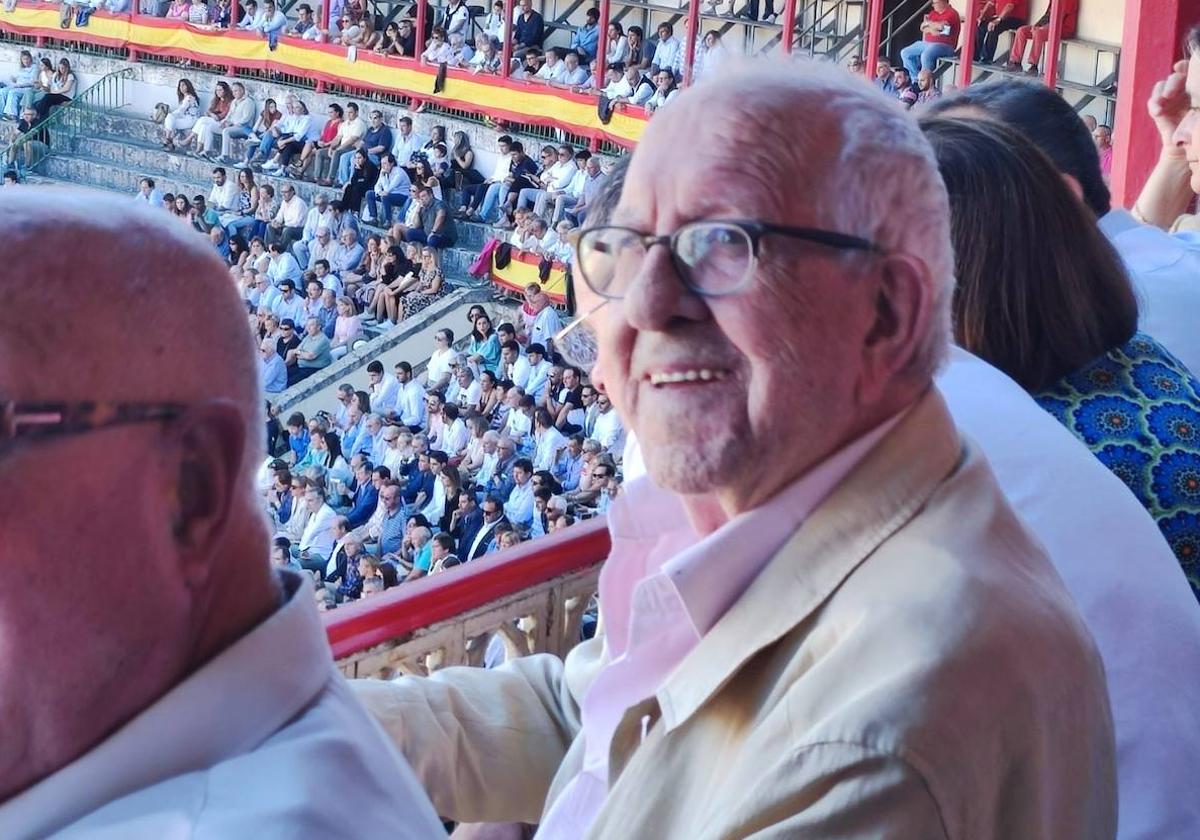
(430, 285)
(346, 330)
(398, 277)
(363, 175)
(1043, 296)
(364, 276)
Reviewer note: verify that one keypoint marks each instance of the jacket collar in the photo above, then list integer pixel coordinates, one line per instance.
(880, 495)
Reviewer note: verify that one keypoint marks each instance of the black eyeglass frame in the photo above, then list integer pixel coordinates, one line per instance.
(754, 230)
(45, 420)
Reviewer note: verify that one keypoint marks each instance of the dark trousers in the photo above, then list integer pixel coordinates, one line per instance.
(472, 195)
(985, 41)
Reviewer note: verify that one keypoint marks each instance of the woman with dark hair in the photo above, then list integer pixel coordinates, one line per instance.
(484, 343)
(184, 116)
(1043, 296)
(462, 161)
(363, 175)
(209, 125)
(62, 88)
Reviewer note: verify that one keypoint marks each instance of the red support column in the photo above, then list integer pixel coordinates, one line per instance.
(506, 47)
(235, 13)
(326, 10)
(966, 59)
(689, 46)
(1150, 43)
(874, 35)
(602, 49)
(420, 39)
(789, 26)
(1053, 45)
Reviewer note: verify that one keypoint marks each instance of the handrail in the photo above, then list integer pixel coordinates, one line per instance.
(404, 609)
(892, 27)
(64, 123)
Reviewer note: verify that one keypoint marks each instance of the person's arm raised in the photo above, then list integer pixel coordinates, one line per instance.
(1168, 191)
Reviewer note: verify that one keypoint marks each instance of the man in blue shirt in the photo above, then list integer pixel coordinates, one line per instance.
(587, 37)
(375, 142)
(366, 497)
(274, 371)
(391, 530)
(529, 30)
(420, 484)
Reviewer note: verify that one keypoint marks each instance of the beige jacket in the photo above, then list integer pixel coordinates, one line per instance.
(907, 666)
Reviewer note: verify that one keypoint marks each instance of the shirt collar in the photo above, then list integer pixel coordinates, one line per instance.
(215, 714)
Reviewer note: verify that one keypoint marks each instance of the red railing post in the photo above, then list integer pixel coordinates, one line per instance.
(966, 59)
(1053, 44)
(874, 35)
(789, 27)
(326, 9)
(602, 50)
(507, 47)
(420, 34)
(235, 13)
(689, 46)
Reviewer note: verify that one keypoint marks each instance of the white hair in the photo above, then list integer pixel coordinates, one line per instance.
(884, 184)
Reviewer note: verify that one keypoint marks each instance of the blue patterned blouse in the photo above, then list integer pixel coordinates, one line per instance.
(1138, 409)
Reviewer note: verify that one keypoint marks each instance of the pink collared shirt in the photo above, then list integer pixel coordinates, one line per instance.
(664, 586)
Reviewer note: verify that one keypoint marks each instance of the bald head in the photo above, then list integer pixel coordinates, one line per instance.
(142, 544)
(142, 322)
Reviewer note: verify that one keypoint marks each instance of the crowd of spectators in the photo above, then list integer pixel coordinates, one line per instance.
(496, 442)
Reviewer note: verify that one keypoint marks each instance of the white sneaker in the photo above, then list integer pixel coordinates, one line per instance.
(367, 218)
(271, 166)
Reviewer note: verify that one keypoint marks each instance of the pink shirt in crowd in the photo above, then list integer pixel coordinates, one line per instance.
(663, 587)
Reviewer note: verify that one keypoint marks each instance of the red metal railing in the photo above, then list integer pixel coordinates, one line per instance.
(411, 606)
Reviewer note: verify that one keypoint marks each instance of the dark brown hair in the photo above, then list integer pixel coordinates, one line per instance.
(1040, 292)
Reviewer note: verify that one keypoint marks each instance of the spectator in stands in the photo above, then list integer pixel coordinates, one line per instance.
(559, 169)
(387, 42)
(407, 145)
(594, 182)
(905, 92)
(927, 91)
(639, 56)
(328, 133)
(329, 154)
(189, 594)
(573, 75)
(347, 254)
(530, 66)
(18, 85)
(711, 55)
(996, 17)
(375, 141)
(315, 242)
(634, 88)
(586, 39)
(884, 76)
(665, 90)
(616, 45)
(669, 53)
(486, 59)
(305, 26)
(270, 23)
(437, 51)
(298, 129)
(179, 10)
(495, 25)
(473, 194)
(235, 124)
(939, 39)
(484, 343)
(204, 218)
(240, 219)
(1076, 348)
(272, 370)
(1103, 137)
(529, 30)
(391, 190)
(287, 226)
(518, 507)
(1038, 33)
(221, 15)
(205, 126)
(1162, 266)
(855, 64)
(32, 131)
(347, 328)
(430, 286)
(263, 128)
(436, 228)
(183, 117)
(282, 267)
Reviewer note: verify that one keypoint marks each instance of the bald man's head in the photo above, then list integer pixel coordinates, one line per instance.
(141, 546)
(145, 317)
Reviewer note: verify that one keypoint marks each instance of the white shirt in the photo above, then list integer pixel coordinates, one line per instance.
(676, 603)
(521, 371)
(518, 425)
(318, 537)
(385, 395)
(545, 326)
(437, 503)
(223, 197)
(609, 432)
(411, 404)
(1124, 578)
(539, 377)
(253, 744)
(519, 509)
(1165, 269)
(545, 454)
(455, 438)
(291, 213)
(439, 364)
(499, 170)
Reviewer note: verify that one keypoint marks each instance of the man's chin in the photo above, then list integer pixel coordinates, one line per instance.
(684, 469)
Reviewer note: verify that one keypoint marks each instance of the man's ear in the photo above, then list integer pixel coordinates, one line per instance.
(210, 442)
(903, 312)
(1073, 185)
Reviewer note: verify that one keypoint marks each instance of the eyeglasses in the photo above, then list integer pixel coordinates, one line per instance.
(713, 258)
(45, 420)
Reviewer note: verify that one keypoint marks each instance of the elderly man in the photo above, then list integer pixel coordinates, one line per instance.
(124, 702)
(886, 651)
